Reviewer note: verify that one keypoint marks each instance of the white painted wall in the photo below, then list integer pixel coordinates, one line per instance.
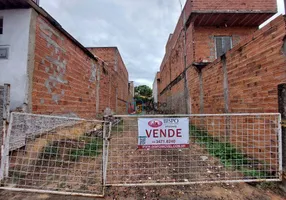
(155, 90)
(16, 37)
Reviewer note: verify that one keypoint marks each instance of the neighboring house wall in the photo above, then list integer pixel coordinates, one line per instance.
(65, 79)
(255, 67)
(14, 69)
(204, 37)
(114, 82)
(174, 86)
(242, 5)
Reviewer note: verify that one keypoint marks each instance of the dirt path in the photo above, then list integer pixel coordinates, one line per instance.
(200, 192)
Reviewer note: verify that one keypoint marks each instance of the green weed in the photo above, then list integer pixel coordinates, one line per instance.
(228, 154)
(92, 148)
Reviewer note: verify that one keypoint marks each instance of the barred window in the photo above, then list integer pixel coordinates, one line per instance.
(223, 44)
(1, 25)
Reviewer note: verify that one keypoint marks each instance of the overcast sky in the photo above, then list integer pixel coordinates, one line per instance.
(139, 28)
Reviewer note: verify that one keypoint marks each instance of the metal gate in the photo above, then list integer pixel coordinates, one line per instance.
(223, 148)
(64, 155)
(50, 154)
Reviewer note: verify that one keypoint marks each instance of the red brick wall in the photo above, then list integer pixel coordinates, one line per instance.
(200, 46)
(219, 5)
(64, 77)
(255, 68)
(114, 83)
(243, 5)
(205, 41)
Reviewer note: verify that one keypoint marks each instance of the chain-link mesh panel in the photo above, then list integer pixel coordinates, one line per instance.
(223, 148)
(52, 153)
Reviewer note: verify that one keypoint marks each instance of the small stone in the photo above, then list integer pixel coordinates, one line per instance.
(204, 158)
(209, 171)
(149, 178)
(186, 180)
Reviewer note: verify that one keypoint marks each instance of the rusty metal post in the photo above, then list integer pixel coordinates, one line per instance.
(282, 110)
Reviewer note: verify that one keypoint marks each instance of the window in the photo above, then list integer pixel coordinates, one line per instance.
(223, 44)
(4, 52)
(1, 25)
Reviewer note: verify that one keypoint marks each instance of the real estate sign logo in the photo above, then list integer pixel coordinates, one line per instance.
(163, 133)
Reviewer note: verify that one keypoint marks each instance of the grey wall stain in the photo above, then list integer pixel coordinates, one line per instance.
(58, 66)
(93, 73)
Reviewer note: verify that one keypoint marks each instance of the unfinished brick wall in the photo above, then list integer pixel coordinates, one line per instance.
(248, 75)
(255, 67)
(243, 5)
(200, 47)
(114, 81)
(244, 81)
(65, 79)
(204, 38)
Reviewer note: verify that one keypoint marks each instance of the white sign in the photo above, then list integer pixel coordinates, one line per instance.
(163, 133)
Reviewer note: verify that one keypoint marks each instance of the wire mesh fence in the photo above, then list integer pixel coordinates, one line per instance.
(222, 148)
(56, 154)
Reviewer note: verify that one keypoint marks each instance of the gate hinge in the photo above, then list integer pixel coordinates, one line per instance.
(283, 123)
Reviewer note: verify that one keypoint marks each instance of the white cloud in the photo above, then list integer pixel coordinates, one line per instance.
(139, 28)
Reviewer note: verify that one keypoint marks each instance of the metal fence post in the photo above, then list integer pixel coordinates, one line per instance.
(5, 108)
(282, 110)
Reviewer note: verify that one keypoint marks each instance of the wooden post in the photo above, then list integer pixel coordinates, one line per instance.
(282, 110)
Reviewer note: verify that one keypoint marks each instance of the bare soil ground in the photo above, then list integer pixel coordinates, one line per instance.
(240, 191)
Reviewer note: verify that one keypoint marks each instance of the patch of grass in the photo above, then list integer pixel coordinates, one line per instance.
(228, 154)
(51, 151)
(118, 127)
(92, 148)
(268, 185)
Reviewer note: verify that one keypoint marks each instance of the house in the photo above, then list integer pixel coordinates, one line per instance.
(50, 72)
(195, 75)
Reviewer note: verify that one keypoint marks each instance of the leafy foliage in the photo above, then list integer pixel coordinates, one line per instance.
(143, 91)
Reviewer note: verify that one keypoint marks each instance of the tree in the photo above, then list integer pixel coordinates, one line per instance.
(143, 91)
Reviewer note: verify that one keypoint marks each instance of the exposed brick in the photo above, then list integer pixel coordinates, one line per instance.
(114, 82)
(64, 77)
(255, 66)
